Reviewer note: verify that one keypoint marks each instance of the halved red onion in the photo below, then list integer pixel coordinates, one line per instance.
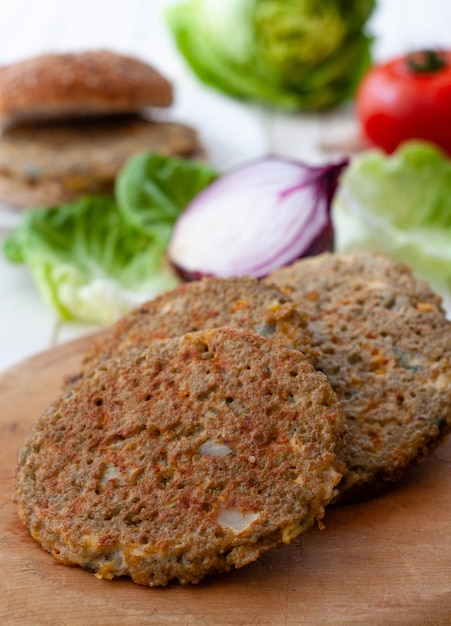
(256, 219)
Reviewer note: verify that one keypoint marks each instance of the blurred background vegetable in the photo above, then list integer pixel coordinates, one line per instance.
(293, 54)
(400, 205)
(87, 262)
(152, 190)
(408, 97)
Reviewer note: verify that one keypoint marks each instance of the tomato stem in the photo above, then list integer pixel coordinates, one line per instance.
(426, 61)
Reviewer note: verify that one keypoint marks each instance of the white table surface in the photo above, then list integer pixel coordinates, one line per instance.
(231, 131)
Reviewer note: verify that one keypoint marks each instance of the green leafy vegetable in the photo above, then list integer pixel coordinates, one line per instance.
(152, 190)
(94, 259)
(294, 54)
(401, 205)
(88, 263)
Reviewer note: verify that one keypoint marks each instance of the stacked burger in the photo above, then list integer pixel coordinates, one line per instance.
(70, 121)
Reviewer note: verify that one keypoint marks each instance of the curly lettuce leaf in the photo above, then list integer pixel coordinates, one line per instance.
(293, 55)
(87, 261)
(401, 205)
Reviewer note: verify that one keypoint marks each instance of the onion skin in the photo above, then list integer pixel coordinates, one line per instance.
(187, 276)
(294, 199)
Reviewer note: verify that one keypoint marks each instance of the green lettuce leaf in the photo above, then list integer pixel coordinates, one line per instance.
(401, 205)
(87, 262)
(301, 54)
(152, 190)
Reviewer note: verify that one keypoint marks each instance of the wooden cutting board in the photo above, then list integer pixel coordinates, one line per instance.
(385, 562)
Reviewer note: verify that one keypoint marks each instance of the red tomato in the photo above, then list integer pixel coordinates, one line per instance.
(407, 98)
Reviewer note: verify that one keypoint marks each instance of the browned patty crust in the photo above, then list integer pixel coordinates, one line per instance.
(190, 457)
(60, 162)
(239, 302)
(94, 82)
(385, 345)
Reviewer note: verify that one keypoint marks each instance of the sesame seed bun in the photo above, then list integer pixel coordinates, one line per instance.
(79, 85)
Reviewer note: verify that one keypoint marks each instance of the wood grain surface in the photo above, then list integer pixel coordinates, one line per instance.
(385, 562)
